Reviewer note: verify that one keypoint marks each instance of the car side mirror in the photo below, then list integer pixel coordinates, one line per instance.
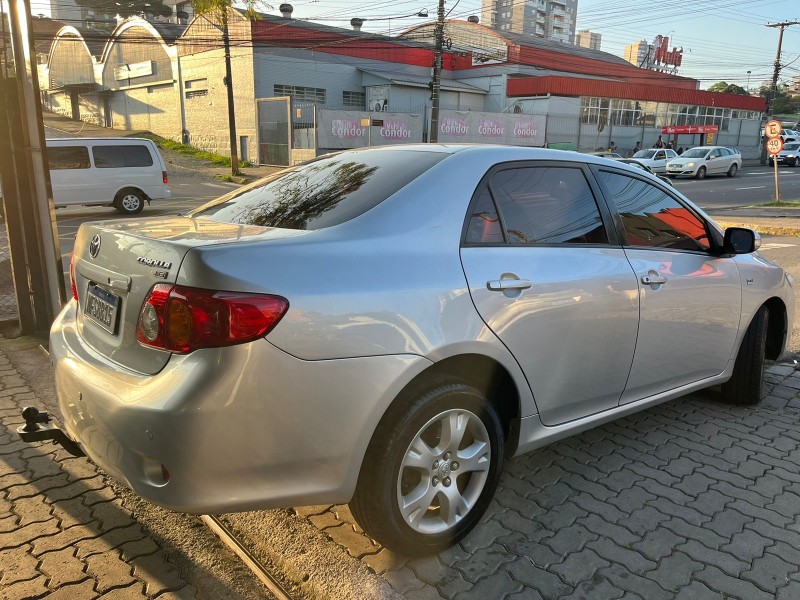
(739, 240)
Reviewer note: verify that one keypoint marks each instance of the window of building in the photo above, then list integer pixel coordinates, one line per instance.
(354, 100)
(653, 218)
(624, 112)
(195, 94)
(594, 110)
(547, 205)
(68, 157)
(300, 94)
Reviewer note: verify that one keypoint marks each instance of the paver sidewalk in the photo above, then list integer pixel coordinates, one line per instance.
(63, 531)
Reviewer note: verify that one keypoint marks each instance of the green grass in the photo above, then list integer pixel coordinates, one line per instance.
(775, 204)
(191, 151)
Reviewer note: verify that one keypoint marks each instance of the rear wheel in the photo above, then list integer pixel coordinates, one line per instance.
(431, 469)
(701, 173)
(130, 202)
(744, 386)
(732, 171)
(793, 162)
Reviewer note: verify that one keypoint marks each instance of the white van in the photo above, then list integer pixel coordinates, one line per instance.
(118, 172)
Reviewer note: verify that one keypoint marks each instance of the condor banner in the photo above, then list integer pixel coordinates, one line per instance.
(491, 128)
(349, 129)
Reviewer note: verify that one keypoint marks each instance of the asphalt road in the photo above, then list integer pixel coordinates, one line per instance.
(752, 185)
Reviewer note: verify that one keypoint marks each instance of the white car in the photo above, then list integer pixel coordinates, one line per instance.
(790, 155)
(118, 172)
(790, 135)
(655, 158)
(706, 160)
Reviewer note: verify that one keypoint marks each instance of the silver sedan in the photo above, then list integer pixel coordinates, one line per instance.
(382, 327)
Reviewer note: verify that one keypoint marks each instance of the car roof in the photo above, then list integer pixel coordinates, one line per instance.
(113, 140)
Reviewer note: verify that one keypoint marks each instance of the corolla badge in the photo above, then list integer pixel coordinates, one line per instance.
(154, 262)
(94, 246)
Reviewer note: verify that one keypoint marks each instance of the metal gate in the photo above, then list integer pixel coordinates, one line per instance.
(274, 131)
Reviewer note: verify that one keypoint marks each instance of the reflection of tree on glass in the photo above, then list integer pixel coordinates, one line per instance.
(306, 194)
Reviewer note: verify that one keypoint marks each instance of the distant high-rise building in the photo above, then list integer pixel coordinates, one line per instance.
(70, 13)
(638, 53)
(549, 19)
(588, 39)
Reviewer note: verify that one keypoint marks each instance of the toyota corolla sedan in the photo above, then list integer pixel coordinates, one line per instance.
(383, 327)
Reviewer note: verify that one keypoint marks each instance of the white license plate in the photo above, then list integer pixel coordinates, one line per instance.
(102, 307)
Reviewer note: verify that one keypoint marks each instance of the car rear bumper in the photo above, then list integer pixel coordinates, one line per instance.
(237, 428)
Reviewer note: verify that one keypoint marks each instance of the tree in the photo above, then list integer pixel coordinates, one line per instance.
(219, 10)
(728, 88)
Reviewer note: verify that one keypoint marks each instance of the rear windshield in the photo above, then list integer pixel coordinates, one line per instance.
(324, 192)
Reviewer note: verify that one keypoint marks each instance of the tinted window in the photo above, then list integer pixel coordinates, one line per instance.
(107, 157)
(324, 192)
(547, 205)
(68, 157)
(652, 217)
(484, 225)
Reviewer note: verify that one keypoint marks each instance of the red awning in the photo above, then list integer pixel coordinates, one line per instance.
(679, 129)
(603, 88)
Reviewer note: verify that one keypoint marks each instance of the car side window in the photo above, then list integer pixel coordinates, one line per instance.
(660, 155)
(68, 157)
(547, 205)
(107, 157)
(653, 218)
(484, 224)
(714, 154)
(724, 152)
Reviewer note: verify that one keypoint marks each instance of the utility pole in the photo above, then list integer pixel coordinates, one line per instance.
(226, 42)
(433, 135)
(773, 96)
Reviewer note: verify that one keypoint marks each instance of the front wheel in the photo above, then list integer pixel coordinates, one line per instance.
(701, 173)
(793, 162)
(130, 202)
(744, 386)
(430, 470)
(732, 171)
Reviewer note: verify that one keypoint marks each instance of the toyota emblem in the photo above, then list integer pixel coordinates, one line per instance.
(94, 246)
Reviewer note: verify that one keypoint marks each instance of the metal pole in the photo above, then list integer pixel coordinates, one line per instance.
(437, 73)
(229, 85)
(774, 88)
(777, 189)
(44, 259)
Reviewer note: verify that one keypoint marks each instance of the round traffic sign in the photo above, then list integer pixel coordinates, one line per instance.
(773, 129)
(774, 145)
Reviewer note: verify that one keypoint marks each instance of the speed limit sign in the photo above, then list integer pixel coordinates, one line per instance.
(773, 129)
(774, 145)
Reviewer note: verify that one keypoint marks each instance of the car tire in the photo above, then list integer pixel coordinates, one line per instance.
(793, 162)
(701, 173)
(733, 170)
(129, 202)
(744, 388)
(409, 463)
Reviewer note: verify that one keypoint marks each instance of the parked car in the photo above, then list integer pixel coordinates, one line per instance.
(635, 163)
(705, 160)
(383, 326)
(790, 135)
(655, 158)
(790, 155)
(120, 172)
(607, 154)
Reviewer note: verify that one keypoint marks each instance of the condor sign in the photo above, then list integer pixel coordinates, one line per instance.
(351, 129)
(494, 128)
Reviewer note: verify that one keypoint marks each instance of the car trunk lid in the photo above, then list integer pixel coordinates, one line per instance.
(117, 263)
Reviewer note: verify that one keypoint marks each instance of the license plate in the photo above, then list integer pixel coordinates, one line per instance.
(102, 307)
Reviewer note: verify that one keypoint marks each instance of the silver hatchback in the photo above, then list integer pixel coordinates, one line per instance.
(382, 327)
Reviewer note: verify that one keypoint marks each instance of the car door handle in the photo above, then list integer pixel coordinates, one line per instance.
(501, 285)
(653, 279)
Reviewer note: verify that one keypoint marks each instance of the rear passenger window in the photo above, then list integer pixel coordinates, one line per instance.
(112, 157)
(484, 224)
(68, 157)
(651, 217)
(547, 205)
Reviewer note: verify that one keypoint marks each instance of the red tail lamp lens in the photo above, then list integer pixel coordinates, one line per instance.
(182, 319)
(164, 177)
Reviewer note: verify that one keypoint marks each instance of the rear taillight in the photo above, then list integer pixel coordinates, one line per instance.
(72, 283)
(164, 177)
(183, 319)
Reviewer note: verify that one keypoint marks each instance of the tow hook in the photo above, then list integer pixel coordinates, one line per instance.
(39, 428)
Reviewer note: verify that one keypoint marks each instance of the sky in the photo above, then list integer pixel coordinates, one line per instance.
(721, 39)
